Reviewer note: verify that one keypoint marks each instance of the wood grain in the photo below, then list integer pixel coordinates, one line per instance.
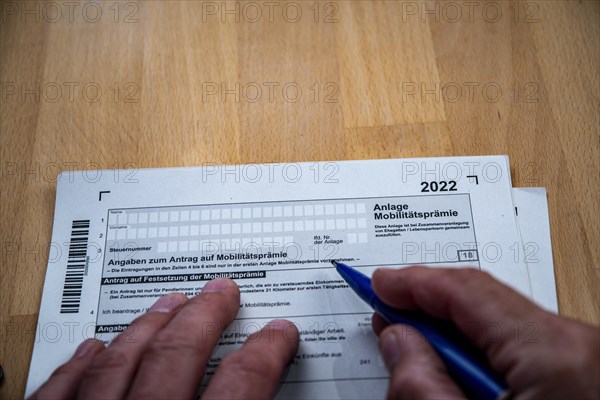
(185, 84)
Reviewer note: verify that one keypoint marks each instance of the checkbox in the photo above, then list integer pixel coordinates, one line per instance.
(153, 217)
(163, 231)
(340, 208)
(184, 216)
(195, 215)
(113, 219)
(267, 227)
(352, 238)
(184, 230)
(164, 216)
(225, 229)
(298, 226)
(133, 219)
(173, 231)
(247, 228)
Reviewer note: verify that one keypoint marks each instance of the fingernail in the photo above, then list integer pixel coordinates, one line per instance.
(167, 303)
(284, 327)
(390, 349)
(216, 285)
(85, 348)
(278, 324)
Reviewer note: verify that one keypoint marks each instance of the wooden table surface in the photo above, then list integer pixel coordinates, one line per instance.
(103, 85)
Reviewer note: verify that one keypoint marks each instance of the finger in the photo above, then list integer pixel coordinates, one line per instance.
(110, 373)
(174, 361)
(64, 381)
(254, 371)
(378, 323)
(485, 310)
(416, 371)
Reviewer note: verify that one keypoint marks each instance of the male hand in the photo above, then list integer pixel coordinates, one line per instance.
(163, 354)
(539, 354)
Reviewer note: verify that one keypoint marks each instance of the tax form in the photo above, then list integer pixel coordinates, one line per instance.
(121, 239)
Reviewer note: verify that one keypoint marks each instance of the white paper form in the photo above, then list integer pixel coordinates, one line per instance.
(533, 222)
(123, 238)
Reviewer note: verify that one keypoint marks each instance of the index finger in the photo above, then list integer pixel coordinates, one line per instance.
(174, 362)
(485, 310)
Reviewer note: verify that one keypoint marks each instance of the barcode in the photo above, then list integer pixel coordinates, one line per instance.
(71, 296)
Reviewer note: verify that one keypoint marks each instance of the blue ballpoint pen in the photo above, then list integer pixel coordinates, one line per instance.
(471, 372)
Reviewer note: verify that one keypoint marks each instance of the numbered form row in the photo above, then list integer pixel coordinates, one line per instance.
(209, 213)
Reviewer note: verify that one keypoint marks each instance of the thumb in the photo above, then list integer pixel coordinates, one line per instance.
(416, 371)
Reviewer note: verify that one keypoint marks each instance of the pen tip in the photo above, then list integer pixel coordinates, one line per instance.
(335, 263)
